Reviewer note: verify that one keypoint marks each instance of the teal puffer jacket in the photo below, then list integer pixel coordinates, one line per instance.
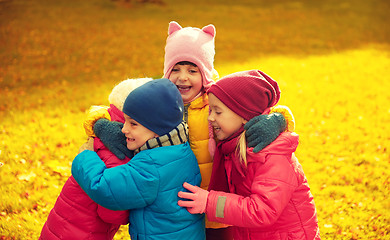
(148, 186)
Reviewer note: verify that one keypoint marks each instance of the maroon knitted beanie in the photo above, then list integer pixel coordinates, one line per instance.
(247, 93)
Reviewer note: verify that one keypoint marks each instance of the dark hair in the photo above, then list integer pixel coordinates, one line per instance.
(187, 63)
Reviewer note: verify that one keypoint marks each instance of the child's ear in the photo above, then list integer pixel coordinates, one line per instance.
(173, 27)
(209, 29)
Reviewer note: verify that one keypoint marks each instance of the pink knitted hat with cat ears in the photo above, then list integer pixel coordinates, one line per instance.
(192, 45)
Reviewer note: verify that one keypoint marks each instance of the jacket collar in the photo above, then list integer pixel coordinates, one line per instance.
(200, 102)
(178, 135)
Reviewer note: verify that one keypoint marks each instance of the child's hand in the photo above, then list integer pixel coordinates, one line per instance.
(198, 197)
(110, 133)
(264, 129)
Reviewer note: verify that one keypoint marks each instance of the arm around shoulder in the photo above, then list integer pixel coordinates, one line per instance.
(132, 185)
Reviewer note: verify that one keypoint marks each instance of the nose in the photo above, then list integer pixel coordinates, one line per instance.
(210, 118)
(182, 76)
(124, 129)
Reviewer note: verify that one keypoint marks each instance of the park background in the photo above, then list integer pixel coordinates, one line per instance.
(330, 57)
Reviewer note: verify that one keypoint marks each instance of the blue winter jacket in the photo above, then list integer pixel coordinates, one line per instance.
(148, 186)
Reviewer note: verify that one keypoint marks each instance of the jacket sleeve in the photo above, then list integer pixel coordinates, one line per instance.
(129, 186)
(94, 113)
(271, 191)
(111, 216)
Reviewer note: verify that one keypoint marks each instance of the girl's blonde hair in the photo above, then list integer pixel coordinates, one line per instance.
(241, 149)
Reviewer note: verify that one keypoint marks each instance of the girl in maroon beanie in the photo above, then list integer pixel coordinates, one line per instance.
(263, 195)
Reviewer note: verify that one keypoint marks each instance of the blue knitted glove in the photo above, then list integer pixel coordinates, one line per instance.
(263, 130)
(110, 133)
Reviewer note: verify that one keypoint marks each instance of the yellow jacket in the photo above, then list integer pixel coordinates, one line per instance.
(196, 116)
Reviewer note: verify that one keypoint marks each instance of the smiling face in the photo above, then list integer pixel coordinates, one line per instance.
(136, 134)
(224, 121)
(188, 79)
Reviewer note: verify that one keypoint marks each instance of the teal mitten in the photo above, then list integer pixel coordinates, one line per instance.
(263, 130)
(110, 133)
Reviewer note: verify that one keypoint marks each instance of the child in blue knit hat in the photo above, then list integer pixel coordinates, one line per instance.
(148, 184)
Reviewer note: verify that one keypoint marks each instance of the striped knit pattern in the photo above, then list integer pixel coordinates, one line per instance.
(178, 135)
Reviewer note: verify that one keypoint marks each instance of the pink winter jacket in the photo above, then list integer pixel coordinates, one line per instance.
(273, 201)
(75, 215)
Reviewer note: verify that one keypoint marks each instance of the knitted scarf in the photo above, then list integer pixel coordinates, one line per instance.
(226, 150)
(178, 135)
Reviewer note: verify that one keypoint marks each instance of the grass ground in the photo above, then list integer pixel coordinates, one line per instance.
(331, 59)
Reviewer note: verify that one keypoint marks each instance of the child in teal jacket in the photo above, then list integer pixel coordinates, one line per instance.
(148, 185)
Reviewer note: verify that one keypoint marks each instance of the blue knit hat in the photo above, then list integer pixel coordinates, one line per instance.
(157, 105)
